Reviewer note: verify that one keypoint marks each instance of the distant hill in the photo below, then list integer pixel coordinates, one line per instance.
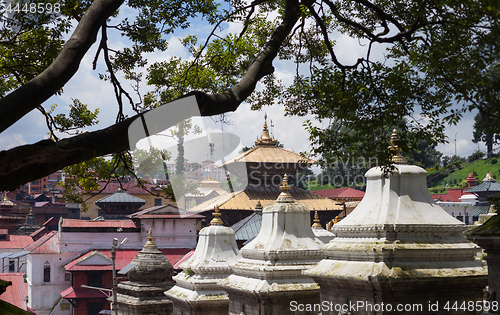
(454, 176)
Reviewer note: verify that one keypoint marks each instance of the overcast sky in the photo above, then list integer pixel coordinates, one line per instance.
(246, 124)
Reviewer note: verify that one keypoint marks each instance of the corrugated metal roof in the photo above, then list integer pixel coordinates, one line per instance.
(248, 198)
(75, 223)
(130, 187)
(71, 293)
(120, 197)
(16, 241)
(177, 265)
(17, 292)
(123, 258)
(164, 212)
(47, 244)
(248, 228)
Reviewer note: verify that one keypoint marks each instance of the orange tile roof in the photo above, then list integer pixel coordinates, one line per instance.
(342, 192)
(248, 198)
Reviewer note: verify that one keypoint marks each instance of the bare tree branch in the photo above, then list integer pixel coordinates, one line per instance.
(29, 162)
(27, 97)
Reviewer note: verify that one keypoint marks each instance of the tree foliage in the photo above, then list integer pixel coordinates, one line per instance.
(424, 61)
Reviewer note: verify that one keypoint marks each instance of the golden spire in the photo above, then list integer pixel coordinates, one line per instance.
(216, 220)
(285, 195)
(336, 220)
(5, 197)
(150, 238)
(31, 211)
(316, 220)
(265, 138)
(397, 158)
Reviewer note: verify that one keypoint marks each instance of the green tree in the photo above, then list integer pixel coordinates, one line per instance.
(432, 55)
(483, 132)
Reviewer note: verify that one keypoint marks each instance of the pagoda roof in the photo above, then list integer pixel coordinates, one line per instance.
(247, 199)
(266, 151)
(269, 154)
(120, 197)
(487, 186)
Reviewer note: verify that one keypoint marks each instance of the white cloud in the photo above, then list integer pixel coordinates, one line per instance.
(8, 141)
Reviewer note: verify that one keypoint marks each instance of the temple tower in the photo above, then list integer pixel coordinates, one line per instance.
(399, 249)
(197, 292)
(268, 279)
(143, 294)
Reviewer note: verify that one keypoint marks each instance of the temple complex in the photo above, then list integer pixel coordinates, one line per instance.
(263, 167)
(152, 275)
(268, 277)
(399, 249)
(197, 292)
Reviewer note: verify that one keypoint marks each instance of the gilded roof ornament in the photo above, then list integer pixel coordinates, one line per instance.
(150, 238)
(316, 220)
(285, 195)
(216, 220)
(265, 138)
(258, 207)
(397, 158)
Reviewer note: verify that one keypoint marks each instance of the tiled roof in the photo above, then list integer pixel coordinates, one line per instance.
(120, 197)
(164, 212)
(248, 227)
(269, 154)
(47, 244)
(480, 210)
(17, 292)
(16, 241)
(75, 223)
(342, 192)
(486, 186)
(123, 258)
(247, 199)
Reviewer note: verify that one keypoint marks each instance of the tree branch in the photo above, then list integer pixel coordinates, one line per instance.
(30, 162)
(32, 94)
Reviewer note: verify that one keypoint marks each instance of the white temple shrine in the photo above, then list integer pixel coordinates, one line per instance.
(197, 291)
(398, 252)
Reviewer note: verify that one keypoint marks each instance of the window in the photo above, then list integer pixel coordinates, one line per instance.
(94, 279)
(157, 202)
(46, 272)
(12, 265)
(67, 276)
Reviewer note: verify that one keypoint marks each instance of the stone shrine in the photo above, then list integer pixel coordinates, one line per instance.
(320, 233)
(197, 292)
(143, 294)
(398, 252)
(268, 279)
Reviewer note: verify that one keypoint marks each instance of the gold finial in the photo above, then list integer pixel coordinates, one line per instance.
(285, 195)
(336, 220)
(31, 211)
(265, 138)
(216, 220)
(397, 158)
(5, 197)
(316, 220)
(150, 238)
